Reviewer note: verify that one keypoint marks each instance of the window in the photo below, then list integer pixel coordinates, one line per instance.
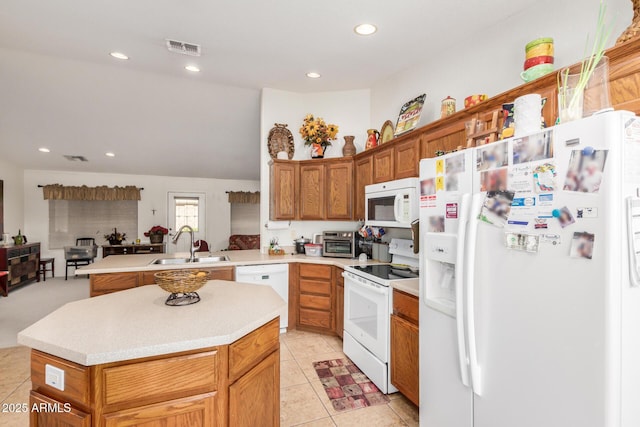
(187, 212)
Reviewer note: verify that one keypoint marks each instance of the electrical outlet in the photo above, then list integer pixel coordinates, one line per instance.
(54, 377)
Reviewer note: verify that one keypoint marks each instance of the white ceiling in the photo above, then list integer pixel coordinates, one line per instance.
(62, 90)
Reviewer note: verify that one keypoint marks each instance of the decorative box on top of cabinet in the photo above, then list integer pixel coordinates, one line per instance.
(21, 262)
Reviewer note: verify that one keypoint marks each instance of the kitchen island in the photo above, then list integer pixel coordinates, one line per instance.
(128, 359)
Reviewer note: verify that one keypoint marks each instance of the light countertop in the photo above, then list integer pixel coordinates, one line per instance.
(136, 322)
(141, 262)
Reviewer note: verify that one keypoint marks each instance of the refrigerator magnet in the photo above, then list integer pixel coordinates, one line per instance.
(496, 207)
(533, 148)
(521, 241)
(582, 245)
(585, 171)
(553, 239)
(564, 216)
(586, 213)
(544, 178)
(439, 167)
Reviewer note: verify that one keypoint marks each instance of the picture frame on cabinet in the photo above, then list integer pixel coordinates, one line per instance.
(410, 115)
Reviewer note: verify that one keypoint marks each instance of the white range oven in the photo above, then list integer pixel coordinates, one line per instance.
(367, 310)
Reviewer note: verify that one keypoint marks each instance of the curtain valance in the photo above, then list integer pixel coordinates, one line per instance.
(244, 197)
(61, 192)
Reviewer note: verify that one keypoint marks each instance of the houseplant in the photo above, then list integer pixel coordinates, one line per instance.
(156, 233)
(317, 134)
(116, 237)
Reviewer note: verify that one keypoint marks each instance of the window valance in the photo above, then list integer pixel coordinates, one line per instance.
(244, 197)
(62, 192)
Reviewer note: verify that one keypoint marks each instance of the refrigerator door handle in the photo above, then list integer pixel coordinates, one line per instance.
(633, 233)
(474, 367)
(463, 358)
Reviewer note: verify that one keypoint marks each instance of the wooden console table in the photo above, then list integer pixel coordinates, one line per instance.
(143, 248)
(21, 262)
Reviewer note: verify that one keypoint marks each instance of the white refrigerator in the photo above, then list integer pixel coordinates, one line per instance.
(530, 280)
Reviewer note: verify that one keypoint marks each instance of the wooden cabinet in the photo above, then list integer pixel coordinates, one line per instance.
(339, 304)
(407, 158)
(283, 190)
(363, 177)
(55, 413)
(383, 169)
(339, 189)
(229, 385)
(105, 283)
(254, 399)
(405, 360)
(311, 199)
(21, 262)
(315, 300)
(145, 248)
(447, 138)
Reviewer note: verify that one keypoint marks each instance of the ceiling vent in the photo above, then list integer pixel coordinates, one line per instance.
(183, 48)
(75, 158)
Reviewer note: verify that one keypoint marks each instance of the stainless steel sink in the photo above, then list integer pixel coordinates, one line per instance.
(200, 260)
(206, 259)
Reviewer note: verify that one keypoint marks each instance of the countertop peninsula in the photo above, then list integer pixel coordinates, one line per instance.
(136, 323)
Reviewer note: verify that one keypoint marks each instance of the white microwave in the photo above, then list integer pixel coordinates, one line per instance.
(392, 203)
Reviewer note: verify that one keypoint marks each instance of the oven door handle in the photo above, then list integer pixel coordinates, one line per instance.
(367, 287)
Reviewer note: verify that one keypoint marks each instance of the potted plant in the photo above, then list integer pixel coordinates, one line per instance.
(156, 233)
(317, 134)
(116, 237)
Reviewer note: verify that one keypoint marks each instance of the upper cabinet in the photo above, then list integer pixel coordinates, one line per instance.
(383, 164)
(363, 176)
(312, 192)
(339, 189)
(312, 189)
(407, 158)
(283, 190)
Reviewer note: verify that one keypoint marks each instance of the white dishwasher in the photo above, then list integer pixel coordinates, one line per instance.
(274, 275)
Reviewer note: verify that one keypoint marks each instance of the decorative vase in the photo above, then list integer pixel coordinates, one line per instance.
(349, 148)
(317, 151)
(156, 238)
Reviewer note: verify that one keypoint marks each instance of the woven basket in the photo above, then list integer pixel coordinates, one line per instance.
(633, 30)
(181, 281)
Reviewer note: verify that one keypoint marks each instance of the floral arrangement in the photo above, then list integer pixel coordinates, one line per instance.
(115, 236)
(157, 229)
(316, 131)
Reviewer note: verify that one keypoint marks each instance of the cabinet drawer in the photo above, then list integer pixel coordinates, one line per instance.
(315, 270)
(221, 273)
(406, 306)
(76, 379)
(315, 287)
(249, 350)
(315, 318)
(56, 414)
(315, 301)
(135, 384)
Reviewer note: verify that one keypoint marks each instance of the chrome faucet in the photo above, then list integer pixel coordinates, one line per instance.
(192, 247)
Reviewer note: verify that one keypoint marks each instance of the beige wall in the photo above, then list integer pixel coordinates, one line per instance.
(13, 198)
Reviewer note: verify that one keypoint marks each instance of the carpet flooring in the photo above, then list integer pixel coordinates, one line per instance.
(30, 303)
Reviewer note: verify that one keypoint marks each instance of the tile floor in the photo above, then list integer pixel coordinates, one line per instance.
(303, 400)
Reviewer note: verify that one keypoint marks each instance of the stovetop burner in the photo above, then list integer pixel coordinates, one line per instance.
(386, 271)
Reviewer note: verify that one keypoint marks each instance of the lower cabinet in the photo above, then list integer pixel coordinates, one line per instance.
(50, 413)
(229, 385)
(405, 359)
(253, 401)
(315, 300)
(339, 301)
(106, 283)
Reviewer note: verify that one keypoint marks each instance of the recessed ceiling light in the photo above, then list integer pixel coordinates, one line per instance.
(192, 68)
(110, 154)
(44, 150)
(119, 55)
(365, 29)
(313, 75)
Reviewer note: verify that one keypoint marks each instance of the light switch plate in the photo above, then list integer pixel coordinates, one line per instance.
(54, 377)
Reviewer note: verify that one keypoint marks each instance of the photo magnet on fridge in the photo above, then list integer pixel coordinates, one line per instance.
(565, 217)
(585, 171)
(582, 245)
(496, 207)
(533, 147)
